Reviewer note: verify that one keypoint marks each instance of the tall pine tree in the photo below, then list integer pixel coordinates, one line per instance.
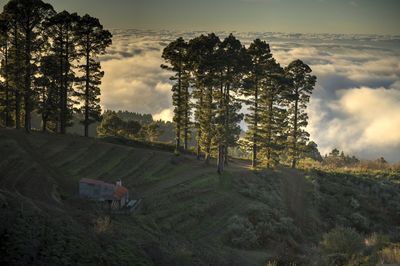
(12, 70)
(301, 87)
(28, 16)
(258, 68)
(201, 54)
(231, 59)
(6, 92)
(62, 29)
(92, 42)
(175, 54)
(48, 98)
(273, 114)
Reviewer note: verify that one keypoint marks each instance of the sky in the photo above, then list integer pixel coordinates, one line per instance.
(305, 16)
(353, 47)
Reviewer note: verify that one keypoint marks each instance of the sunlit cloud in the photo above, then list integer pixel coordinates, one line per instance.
(364, 119)
(166, 114)
(136, 84)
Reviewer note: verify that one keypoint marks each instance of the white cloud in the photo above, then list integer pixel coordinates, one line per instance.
(166, 115)
(136, 84)
(376, 112)
(365, 119)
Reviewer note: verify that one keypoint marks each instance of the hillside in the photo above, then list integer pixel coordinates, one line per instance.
(189, 214)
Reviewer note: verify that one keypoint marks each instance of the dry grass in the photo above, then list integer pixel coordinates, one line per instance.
(391, 254)
(102, 224)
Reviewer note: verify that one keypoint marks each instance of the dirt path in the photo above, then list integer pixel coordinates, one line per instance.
(294, 189)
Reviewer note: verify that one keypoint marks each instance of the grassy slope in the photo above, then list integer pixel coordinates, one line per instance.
(186, 214)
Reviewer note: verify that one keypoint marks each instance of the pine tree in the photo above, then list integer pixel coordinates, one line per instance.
(302, 84)
(62, 29)
(175, 54)
(207, 121)
(111, 125)
(200, 55)
(14, 72)
(29, 16)
(6, 99)
(258, 67)
(231, 58)
(47, 84)
(186, 111)
(204, 68)
(273, 115)
(313, 152)
(92, 41)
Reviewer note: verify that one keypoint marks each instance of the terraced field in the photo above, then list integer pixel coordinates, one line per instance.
(185, 203)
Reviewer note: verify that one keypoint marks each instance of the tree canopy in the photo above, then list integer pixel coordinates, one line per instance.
(213, 78)
(50, 65)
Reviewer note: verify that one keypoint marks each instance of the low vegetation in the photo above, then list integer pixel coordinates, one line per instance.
(190, 214)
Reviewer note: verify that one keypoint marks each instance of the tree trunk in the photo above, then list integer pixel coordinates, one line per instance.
(198, 153)
(87, 89)
(209, 117)
(27, 87)
(255, 130)
(7, 121)
(198, 149)
(186, 130)
(44, 115)
(62, 88)
(17, 109)
(44, 124)
(178, 116)
(221, 159)
(17, 80)
(254, 156)
(207, 155)
(294, 160)
(269, 157)
(227, 120)
(65, 96)
(221, 149)
(185, 142)
(270, 116)
(226, 155)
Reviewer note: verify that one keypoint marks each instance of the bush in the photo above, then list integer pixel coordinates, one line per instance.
(241, 233)
(340, 244)
(359, 221)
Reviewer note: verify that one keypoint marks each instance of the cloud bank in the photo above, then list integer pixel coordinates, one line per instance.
(355, 105)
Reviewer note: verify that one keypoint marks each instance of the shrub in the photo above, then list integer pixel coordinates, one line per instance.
(182, 256)
(241, 233)
(340, 244)
(359, 221)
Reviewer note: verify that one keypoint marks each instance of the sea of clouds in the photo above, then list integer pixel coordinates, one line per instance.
(355, 106)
